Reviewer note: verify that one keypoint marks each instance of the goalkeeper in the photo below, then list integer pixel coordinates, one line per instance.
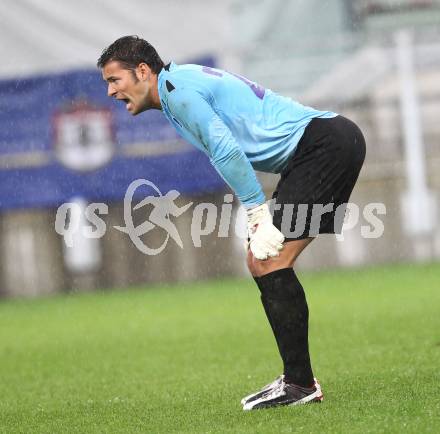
(243, 127)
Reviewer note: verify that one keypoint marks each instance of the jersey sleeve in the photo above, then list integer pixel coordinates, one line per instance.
(196, 115)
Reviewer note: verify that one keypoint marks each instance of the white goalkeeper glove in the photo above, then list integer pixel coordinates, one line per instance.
(265, 240)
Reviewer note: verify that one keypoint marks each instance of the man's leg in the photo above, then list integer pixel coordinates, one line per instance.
(286, 259)
(286, 308)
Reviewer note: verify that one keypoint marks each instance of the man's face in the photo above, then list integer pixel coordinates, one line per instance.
(134, 88)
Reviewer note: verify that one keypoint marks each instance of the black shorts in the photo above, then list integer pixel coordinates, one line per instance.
(315, 186)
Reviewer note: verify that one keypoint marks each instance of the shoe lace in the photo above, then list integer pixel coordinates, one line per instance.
(277, 391)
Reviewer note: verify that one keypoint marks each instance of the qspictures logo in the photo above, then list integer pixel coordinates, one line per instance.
(162, 211)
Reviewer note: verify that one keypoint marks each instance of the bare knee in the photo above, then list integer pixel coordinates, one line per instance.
(251, 263)
(258, 267)
(286, 259)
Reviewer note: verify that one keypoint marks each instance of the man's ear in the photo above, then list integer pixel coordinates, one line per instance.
(143, 72)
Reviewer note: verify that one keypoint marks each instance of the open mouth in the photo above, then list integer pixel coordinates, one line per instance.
(127, 102)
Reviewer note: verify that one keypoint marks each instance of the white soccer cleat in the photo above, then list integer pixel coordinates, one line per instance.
(284, 394)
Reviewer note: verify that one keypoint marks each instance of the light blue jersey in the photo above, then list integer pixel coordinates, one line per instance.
(237, 123)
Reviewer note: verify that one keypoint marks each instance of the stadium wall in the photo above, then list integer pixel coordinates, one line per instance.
(251, 40)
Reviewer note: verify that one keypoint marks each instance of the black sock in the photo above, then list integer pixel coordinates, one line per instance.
(286, 309)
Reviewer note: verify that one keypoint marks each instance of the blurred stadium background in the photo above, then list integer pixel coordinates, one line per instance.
(172, 354)
(63, 140)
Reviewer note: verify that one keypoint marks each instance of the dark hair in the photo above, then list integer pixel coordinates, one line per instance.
(130, 51)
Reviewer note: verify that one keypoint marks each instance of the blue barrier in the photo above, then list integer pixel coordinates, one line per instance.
(61, 137)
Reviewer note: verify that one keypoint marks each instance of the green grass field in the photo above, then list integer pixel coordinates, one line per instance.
(179, 359)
